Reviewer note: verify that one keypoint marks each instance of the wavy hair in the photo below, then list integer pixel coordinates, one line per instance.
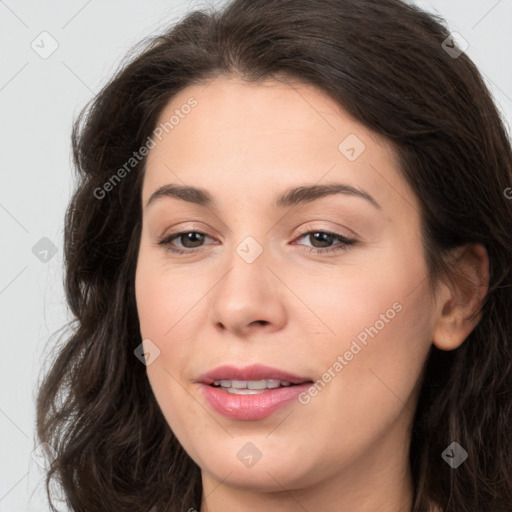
(388, 65)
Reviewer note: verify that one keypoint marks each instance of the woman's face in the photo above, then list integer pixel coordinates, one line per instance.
(264, 278)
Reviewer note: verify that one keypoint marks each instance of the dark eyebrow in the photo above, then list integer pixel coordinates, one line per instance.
(305, 194)
(291, 197)
(194, 195)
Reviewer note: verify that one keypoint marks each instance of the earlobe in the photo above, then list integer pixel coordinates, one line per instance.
(459, 308)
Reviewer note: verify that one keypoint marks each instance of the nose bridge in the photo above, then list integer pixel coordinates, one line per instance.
(250, 230)
(250, 249)
(248, 293)
(248, 262)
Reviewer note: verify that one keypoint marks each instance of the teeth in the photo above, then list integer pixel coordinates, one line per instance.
(243, 391)
(257, 384)
(250, 387)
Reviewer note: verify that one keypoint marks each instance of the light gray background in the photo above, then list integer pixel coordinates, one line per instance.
(39, 97)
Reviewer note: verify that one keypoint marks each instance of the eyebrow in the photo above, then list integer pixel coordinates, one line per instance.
(290, 197)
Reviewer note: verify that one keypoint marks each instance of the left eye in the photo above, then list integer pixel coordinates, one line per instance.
(322, 237)
(325, 237)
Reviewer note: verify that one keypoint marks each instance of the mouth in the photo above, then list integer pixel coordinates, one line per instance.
(256, 377)
(251, 387)
(251, 393)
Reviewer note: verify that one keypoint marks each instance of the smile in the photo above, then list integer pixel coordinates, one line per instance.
(250, 387)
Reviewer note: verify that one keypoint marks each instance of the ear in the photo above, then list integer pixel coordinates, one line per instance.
(462, 297)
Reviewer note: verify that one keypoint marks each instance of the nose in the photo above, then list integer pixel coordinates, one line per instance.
(249, 297)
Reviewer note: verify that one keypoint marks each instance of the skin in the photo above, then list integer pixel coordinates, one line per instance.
(347, 449)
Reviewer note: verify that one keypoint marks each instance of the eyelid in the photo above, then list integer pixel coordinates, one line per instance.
(181, 227)
(304, 230)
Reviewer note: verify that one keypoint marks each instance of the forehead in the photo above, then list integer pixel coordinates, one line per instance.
(262, 116)
(256, 139)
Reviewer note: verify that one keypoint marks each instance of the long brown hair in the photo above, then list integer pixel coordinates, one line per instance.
(387, 64)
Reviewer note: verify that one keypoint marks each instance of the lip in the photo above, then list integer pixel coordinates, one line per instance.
(252, 372)
(251, 407)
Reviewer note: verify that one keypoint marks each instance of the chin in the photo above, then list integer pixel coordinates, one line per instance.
(262, 479)
(267, 468)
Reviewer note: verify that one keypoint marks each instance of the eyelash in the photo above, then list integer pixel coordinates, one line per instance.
(345, 242)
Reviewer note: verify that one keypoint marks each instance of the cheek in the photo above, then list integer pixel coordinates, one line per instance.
(157, 310)
(162, 306)
(374, 325)
(368, 302)
(153, 305)
(168, 307)
(164, 298)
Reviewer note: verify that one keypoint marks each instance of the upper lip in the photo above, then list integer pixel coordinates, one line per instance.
(251, 372)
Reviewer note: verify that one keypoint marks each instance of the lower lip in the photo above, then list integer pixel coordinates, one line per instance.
(251, 407)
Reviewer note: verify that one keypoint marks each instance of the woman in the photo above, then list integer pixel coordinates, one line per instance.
(289, 259)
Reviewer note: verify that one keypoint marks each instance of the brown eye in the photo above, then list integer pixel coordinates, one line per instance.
(325, 239)
(188, 240)
(191, 239)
